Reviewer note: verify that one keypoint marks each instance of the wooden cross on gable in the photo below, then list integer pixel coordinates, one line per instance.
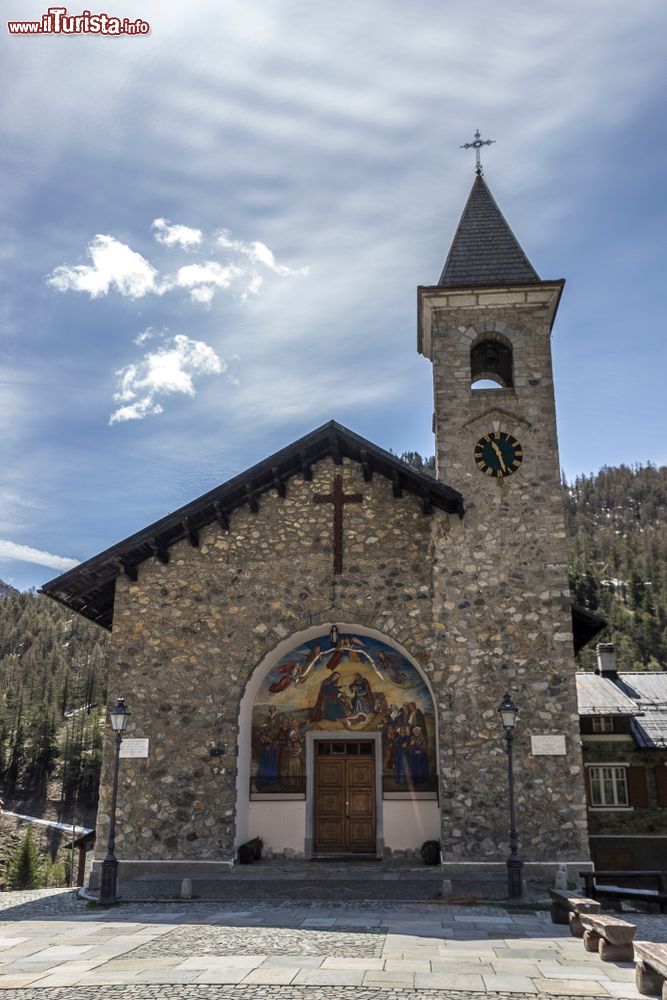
(338, 498)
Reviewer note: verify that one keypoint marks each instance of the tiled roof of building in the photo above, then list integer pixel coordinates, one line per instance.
(644, 692)
(597, 695)
(649, 690)
(485, 251)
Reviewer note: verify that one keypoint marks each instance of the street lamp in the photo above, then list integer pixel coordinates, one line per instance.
(119, 717)
(508, 713)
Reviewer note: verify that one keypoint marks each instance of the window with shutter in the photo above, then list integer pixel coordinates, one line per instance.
(608, 786)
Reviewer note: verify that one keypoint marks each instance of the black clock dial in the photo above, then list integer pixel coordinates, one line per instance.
(498, 454)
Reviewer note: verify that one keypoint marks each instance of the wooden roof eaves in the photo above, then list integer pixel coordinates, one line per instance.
(93, 581)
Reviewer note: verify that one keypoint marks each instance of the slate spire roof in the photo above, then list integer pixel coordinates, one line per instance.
(485, 251)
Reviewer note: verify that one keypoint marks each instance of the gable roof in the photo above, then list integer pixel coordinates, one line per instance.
(642, 695)
(485, 251)
(89, 588)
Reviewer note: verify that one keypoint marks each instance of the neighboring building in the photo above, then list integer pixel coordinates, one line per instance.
(624, 736)
(316, 650)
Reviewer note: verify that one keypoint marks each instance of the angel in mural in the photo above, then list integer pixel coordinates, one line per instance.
(294, 672)
(332, 703)
(392, 667)
(345, 645)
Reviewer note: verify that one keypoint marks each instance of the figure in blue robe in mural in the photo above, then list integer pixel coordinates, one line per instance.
(267, 771)
(332, 704)
(362, 696)
(402, 773)
(418, 756)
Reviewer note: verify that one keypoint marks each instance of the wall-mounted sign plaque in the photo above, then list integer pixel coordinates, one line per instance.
(134, 748)
(548, 745)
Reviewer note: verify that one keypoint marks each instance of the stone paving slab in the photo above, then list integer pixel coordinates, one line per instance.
(278, 951)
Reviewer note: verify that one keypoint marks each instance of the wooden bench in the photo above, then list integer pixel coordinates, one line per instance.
(658, 895)
(565, 909)
(651, 968)
(611, 937)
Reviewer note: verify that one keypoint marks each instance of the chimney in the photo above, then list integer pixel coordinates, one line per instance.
(606, 659)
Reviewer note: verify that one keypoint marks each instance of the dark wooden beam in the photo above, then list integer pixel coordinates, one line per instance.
(306, 467)
(221, 515)
(396, 485)
(191, 533)
(366, 466)
(278, 481)
(125, 569)
(159, 551)
(335, 449)
(251, 497)
(427, 504)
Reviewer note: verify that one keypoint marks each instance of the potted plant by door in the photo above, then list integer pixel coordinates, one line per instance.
(430, 852)
(256, 845)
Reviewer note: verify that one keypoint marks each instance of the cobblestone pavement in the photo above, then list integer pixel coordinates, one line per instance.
(287, 951)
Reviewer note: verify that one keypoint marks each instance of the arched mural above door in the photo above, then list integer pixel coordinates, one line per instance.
(359, 686)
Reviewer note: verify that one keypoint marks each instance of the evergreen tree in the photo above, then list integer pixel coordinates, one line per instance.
(24, 869)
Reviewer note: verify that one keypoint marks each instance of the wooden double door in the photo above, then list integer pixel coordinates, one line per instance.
(345, 815)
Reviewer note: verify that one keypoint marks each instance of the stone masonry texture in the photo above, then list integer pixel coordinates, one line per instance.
(502, 600)
(481, 604)
(188, 635)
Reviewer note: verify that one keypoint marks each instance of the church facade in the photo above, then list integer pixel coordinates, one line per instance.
(316, 650)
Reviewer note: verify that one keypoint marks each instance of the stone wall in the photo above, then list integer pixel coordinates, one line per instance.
(188, 635)
(502, 599)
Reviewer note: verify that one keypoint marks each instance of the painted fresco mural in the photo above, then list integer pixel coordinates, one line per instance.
(358, 686)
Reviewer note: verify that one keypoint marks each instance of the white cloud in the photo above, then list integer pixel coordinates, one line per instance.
(203, 279)
(145, 335)
(115, 265)
(259, 253)
(25, 553)
(167, 370)
(173, 235)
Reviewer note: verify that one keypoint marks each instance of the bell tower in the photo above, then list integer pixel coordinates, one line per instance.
(501, 583)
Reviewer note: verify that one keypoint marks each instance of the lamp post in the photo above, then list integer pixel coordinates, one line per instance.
(508, 713)
(119, 717)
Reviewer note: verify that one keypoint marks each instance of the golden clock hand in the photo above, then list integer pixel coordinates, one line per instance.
(500, 456)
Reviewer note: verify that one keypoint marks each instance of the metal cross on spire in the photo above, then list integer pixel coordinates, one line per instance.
(477, 145)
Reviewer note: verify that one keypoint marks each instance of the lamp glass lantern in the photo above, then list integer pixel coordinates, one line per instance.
(119, 716)
(508, 712)
(334, 635)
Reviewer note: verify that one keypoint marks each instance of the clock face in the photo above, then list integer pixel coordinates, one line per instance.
(498, 454)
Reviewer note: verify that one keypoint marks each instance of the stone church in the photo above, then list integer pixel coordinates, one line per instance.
(314, 652)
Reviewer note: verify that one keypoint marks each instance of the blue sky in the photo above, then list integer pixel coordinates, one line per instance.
(211, 237)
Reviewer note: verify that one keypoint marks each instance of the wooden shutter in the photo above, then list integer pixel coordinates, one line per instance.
(637, 790)
(661, 783)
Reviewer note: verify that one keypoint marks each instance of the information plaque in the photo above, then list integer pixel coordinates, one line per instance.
(134, 748)
(548, 746)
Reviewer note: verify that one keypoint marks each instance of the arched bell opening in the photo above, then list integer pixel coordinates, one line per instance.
(491, 363)
(338, 747)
